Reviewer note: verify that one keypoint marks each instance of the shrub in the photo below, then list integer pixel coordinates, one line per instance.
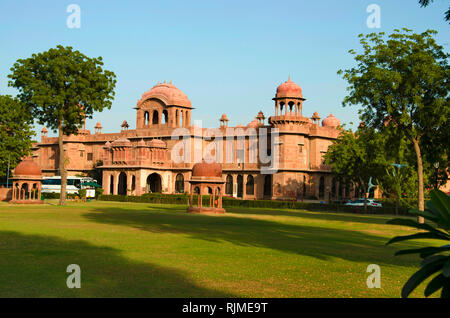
(435, 260)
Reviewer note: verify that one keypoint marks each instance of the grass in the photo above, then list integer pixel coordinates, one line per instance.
(148, 250)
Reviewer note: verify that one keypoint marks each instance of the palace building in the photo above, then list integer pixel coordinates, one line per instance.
(138, 161)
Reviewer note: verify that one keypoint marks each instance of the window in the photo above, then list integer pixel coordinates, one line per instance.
(229, 185)
(90, 156)
(179, 183)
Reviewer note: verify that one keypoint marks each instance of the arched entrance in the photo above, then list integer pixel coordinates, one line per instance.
(321, 187)
(154, 183)
(155, 117)
(229, 185)
(179, 183)
(240, 186)
(268, 185)
(122, 186)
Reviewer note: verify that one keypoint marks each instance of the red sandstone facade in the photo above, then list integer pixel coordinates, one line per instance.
(137, 161)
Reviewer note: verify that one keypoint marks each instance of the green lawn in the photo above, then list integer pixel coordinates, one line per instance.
(145, 250)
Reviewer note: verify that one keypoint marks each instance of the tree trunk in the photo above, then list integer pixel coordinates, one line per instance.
(421, 204)
(62, 168)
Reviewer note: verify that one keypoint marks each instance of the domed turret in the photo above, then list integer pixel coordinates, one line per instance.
(167, 93)
(28, 168)
(289, 89)
(331, 121)
(207, 170)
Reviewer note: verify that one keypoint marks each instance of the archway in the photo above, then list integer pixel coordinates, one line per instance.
(154, 183)
(179, 183)
(165, 116)
(240, 186)
(111, 184)
(229, 185)
(155, 119)
(122, 186)
(250, 186)
(321, 187)
(146, 118)
(268, 185)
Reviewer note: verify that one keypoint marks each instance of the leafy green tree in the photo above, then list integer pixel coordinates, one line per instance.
(425, 3)
(402, 82)
(16, 131)
(61, 87)
(356, 157)
(435, 260)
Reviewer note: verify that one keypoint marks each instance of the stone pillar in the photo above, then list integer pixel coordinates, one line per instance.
(116, 184)
(129, 180)
(106, 182)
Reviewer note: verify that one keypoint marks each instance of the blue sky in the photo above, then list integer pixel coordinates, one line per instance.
(227, 56)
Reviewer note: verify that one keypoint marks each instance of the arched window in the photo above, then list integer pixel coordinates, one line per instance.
(166, 116)
(155, 120)
(291, 106)
(321, 187)
(179, 183)
(250, 186)
(146, 118)
(229, 185)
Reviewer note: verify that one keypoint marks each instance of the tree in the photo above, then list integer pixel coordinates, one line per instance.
(356, 157)
(16, 132)
(403, 82)
(61, 87)
(425, 3)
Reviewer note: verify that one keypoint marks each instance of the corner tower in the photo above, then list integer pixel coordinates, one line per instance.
(288, 104)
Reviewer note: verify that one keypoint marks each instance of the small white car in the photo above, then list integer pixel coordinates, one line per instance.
(360, 202)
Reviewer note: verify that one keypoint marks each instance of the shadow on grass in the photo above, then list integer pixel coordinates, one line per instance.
(319, 215)
(35, 266)
(318, 242)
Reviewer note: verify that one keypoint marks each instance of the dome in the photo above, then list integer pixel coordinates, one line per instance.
(98, 125)
(121, 142)
(331, 121)
(224, 118)
(205, 169)
(315, 116)
(27, 168)
(253, 123)
(289, 89)
(141, 143)
(44, 130)
(157, 143)
(167, 93)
